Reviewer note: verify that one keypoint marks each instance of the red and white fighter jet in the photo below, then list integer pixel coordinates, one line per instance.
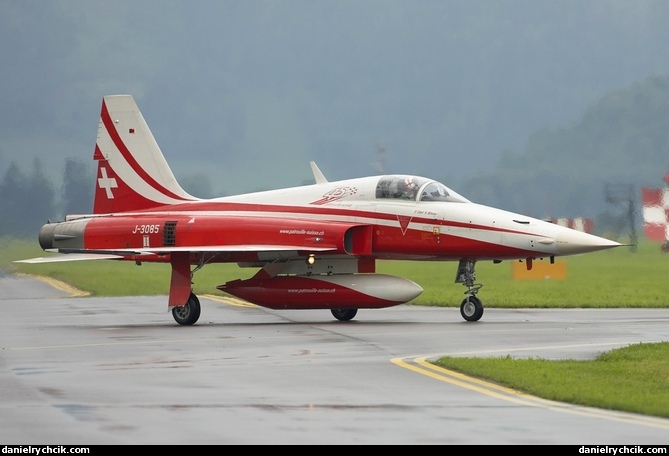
(315, 246)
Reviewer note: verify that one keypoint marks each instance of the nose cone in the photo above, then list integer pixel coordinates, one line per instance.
(571, 242)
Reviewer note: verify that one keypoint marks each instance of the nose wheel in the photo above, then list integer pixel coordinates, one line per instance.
(471, 307)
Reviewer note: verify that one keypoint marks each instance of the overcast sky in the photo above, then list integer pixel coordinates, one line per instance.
(247, 92)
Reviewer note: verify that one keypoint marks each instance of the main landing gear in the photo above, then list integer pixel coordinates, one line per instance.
(189, 313)
(182, 276)
(471, 307)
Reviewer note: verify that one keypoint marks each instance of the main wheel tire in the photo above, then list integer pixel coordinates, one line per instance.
(471, 308)
(189, 313)
(344, 314)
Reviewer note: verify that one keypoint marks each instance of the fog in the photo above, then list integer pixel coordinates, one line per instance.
(243, 94)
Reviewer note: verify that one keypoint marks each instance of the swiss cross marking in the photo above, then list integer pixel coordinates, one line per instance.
(107, 183)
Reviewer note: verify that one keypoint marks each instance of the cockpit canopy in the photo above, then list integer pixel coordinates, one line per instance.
(415, 188)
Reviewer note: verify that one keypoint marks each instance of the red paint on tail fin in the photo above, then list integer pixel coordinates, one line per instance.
(125, 146)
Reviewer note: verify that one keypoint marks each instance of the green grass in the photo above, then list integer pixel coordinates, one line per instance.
(611, 278)
(634, 379)
(112, 278)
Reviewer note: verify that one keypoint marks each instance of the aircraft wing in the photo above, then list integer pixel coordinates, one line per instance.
(119, 254)
(71, 257)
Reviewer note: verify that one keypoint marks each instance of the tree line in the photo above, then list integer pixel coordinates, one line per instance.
(564, 171)
(29, 200)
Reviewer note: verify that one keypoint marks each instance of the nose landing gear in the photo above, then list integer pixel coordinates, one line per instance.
(471, 307)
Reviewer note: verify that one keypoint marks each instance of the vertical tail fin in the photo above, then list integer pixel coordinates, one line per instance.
(132, 172)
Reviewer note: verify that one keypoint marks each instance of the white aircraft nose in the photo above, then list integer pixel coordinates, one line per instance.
(571, 242)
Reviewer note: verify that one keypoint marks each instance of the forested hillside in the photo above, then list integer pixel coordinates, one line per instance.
(622, 139)
(28, 199)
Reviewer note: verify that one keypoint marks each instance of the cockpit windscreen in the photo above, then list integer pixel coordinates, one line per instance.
(415, 188)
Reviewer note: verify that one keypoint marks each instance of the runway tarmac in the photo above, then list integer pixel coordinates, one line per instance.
(92, 371)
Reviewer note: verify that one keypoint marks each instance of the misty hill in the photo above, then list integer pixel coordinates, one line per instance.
(621, 139)
(562, 172)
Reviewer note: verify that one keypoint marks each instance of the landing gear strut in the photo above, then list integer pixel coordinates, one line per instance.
(471, 307)
(182, 277)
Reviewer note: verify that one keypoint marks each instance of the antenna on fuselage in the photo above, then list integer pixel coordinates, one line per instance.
(318, 175)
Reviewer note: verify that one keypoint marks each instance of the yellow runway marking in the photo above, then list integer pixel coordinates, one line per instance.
(228, 300)
(422, 366)
(58, 285)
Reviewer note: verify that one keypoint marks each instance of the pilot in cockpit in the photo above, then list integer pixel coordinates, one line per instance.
(410, 188)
